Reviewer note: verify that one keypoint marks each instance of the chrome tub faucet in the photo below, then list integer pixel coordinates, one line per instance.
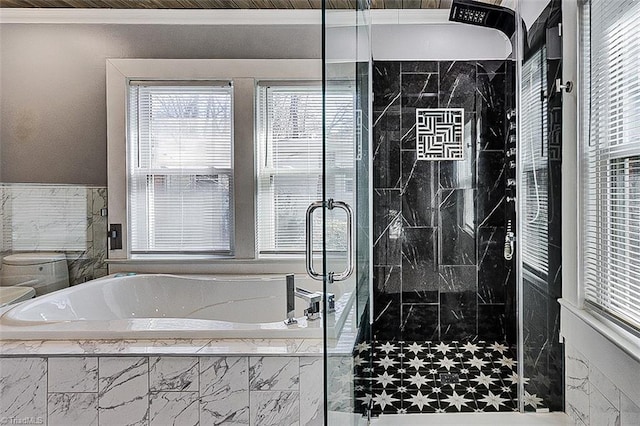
(313, 299)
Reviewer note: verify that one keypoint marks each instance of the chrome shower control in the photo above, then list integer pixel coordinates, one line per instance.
(509, 239)
(511, 152)
(512, 164)
(511, 182)
(508, 245)
(510, 199)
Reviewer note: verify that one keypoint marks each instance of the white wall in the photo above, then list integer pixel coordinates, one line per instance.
(52, 78)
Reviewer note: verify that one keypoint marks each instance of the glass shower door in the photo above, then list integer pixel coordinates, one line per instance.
(346, 215)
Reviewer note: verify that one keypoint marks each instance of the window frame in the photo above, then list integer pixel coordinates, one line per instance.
(244, 73)
(139, 173)
(262, 137)
(607, 153)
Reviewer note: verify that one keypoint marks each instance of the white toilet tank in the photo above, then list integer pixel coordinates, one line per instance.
(45, 272)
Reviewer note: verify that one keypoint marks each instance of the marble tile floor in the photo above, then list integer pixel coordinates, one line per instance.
(437, 377)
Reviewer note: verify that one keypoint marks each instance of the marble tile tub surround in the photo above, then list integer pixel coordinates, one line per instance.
(162, 390)
(439, 226)
(592, 399)
(30, 230)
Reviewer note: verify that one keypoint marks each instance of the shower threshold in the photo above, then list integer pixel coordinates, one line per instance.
(473, 419)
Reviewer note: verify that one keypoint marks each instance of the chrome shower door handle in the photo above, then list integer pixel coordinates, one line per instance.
(309, 240)
(351, 253)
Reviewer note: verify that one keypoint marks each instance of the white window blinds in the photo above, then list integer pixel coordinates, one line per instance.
(534, 171)
(180, 167)
(611, 158)
(290, 161)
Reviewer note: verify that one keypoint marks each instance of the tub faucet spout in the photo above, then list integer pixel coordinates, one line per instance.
(313, 299)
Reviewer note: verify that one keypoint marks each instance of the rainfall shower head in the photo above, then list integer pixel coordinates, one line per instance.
(484, 15)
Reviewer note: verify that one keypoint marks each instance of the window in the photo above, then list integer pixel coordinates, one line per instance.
(180, 167)
(290, 161)
(535, 171)
(611, 159)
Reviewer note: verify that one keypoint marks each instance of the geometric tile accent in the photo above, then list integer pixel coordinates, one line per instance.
(436, 377)
(439, 133)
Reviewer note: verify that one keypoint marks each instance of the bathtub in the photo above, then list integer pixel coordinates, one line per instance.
(157, 306)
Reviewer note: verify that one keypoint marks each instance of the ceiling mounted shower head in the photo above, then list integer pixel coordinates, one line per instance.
(484, 15)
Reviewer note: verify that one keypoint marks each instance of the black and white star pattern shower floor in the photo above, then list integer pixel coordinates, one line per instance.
(436, 377)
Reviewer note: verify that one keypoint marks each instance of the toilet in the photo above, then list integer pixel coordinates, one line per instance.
(44, 272)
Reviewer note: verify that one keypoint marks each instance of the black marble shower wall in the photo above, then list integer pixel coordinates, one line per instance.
(439, 226)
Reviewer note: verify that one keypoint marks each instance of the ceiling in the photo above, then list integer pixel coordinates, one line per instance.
(229, 4)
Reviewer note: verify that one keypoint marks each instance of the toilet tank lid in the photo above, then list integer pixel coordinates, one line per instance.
(33, 258)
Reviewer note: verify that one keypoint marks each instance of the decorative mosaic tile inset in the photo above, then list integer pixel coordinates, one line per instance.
(437, 377)
(439, 134)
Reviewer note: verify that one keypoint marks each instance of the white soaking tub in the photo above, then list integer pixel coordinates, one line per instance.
(157, 306)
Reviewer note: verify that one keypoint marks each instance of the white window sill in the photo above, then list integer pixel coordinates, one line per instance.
(623, 339)
(208, 265)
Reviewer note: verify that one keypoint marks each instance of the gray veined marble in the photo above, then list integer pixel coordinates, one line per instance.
(167, 373)
(62, 212)
(73, 374)
(67, 409)
(601, 411)
(173, 408)
(275, 408)
(274, 373)
(123, 390)
(629, 411)
(70, 213)
(311, 391)
(577, 385)
(23, 388)
(604, 385)
(224, 391)
(250, 346)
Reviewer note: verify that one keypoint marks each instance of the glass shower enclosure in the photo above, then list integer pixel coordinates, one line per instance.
(514, 167)
(345, 210)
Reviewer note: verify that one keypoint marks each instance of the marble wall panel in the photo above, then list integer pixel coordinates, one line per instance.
(66, 218)
(387, 227)
(224, 390)
(592, 398)
(457, 227)
(273, 373)
(174, 408)
(437, 207)
(490, 105)
(23, 389)
(419, 261)
(170, 390)
(311, 391)
(65, 409)
(577, 385)
(493, 270)
(419, 191)
(177, 374)
(275, 408)
(123, 389)
(72, 374)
